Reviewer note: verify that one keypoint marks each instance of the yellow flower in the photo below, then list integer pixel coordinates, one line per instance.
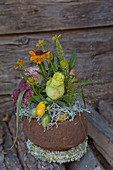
(47, 57)
(40, 43)
(61, 117)
(64, 63)
(58, 79)
(56, 37)
(18, 64)
(55, 86)
(37, 55)
(32, 80)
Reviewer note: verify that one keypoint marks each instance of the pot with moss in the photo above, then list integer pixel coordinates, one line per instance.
(63, 136)
(60, 128)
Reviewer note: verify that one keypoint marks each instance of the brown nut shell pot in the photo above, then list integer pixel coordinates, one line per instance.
(68, 134)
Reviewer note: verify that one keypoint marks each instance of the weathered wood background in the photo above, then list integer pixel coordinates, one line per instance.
(86, 25)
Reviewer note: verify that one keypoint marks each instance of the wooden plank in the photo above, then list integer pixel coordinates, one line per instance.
(94, 93)
(102, 134)
(89, 161)
(6, 105)
(36, 16)
(106, 111)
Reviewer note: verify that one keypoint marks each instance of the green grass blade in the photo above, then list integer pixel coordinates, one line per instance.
(24, 76)
(18, 109)
(44, 69)
(72, 60)
(37, 98)
(38, 72)
(83, 81)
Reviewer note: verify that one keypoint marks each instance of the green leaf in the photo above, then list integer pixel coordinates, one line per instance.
(38, 72)
(37, 98)
(24, 76)
(60, 103)
(83, 81)
(74, 75)
(32, 99)
(42, 98)
(49, 72)
(18, 109)
(76, 64)
(39, 66)
(49, 99)
(44, 69)
(72, 60)
(52, 60)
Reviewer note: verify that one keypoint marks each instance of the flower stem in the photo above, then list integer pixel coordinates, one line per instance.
(43, 48)
(43, 70)
(52, 67)
(36, 85)
(26, 70)
(34, 90)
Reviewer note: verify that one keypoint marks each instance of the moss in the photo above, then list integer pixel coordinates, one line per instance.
(73, 154)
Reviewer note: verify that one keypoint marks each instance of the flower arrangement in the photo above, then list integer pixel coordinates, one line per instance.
(49, 90)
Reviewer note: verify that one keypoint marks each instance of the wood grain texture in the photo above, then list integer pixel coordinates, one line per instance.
(94, 46)
(102, 134)
(36, 16)
(106, 111)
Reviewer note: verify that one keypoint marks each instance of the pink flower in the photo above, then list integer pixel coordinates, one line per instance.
(73, 72)
(23, 85)
(33, 72)
(15, 95)
(26, 99)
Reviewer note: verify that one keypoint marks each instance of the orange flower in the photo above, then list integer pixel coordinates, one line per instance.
(18, 64)
(47, 57)
(37, 55)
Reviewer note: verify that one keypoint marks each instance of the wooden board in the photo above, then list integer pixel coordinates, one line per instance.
(36, 16)
(102, 134)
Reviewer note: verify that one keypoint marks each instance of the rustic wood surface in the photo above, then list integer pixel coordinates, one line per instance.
(102, 134)
(86, 25)
(36, 16)
(106, 111)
